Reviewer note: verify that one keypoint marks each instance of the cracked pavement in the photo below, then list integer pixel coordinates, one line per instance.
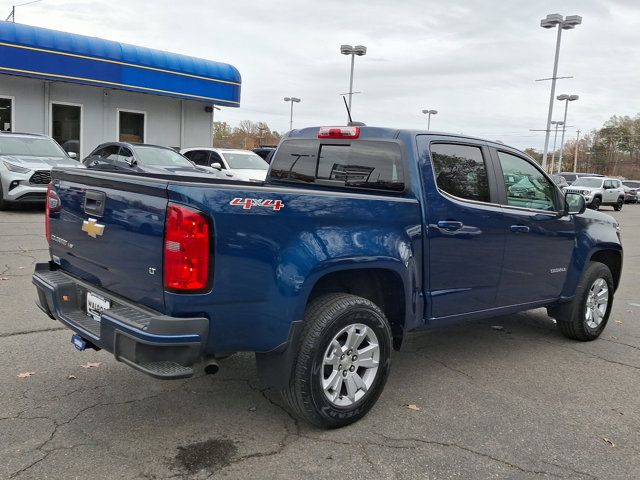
(518, 403)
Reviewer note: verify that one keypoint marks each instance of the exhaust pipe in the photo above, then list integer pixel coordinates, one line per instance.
(211, 367)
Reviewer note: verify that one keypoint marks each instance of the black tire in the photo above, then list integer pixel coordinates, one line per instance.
(4, 205)
(325, 317)
(595, 203)
(619, 204)
(570, 317)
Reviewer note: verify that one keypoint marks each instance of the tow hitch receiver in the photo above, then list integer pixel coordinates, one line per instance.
(79, 342)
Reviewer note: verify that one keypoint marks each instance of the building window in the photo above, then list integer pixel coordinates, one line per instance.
(66, 125)
(131, 126)
(6, 114)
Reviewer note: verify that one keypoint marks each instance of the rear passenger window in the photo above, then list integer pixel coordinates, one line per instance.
(460, 170)
(362, 164)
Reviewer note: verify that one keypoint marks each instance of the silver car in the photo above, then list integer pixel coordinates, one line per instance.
(26, 161)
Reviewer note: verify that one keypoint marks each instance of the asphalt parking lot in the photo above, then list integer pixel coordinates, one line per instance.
(466, 401)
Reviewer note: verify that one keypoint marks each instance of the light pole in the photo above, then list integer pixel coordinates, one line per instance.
(555, 137)
(566, 99)
(292, 100)
(213, 124)
(429, 113)
(359, 50)
(566, 23)
(575, 154)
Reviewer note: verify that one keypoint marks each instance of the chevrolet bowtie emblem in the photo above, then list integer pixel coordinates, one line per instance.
(92, 227)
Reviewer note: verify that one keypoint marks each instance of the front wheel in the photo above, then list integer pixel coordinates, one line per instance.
(4, 205)
(619, 204)
(595, 203)
(343, 361)
(585, 317)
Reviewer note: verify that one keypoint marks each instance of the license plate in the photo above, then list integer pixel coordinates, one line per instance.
(96, 305)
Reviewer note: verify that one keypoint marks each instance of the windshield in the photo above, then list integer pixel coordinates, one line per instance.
(631, 184)
(161, 157)
(588, 182)
(30, 147)
(242, 161)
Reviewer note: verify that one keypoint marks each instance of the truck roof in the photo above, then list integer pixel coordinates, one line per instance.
(388, 133)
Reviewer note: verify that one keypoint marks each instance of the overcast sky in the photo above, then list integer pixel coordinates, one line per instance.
(473, 61)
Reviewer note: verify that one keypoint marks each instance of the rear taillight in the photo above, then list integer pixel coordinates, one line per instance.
(186, 249)
(339, 132)
(52, 206)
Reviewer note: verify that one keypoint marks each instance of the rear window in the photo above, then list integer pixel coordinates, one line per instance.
(361, 164)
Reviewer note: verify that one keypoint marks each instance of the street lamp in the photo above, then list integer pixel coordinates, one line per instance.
(429, 113)
(567, 23)
(566, 99)
(555, 137)
(292, 100)
(359, 50)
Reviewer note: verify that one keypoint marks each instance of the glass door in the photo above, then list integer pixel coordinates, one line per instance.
(6, 114)
(66, 121)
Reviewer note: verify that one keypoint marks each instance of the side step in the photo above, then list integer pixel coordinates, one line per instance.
(164, 370)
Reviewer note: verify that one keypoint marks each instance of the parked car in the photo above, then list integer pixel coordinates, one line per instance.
(599, 191)
(559, 180)
(25, 167)
(145, 158)
(631, 191)
(245, 164)
(571, 177)
(358, 236)
(266, 152)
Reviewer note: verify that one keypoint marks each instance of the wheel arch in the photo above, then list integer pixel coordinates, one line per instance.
(612, 258)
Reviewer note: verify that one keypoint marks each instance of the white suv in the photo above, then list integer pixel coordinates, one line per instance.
(598, 191)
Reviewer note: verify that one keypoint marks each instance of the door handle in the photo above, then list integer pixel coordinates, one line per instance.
(450, 225)
(519, 229)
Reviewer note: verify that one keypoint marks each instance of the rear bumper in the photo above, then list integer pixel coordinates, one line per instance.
(158, 345)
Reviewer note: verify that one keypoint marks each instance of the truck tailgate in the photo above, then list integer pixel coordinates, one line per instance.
(109, 231)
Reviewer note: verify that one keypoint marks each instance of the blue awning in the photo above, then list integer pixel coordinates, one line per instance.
(52, 55)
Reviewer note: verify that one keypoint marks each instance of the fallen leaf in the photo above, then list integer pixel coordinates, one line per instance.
(608, 441)
(618, 321)
(411, 406)
(71, 377)
(91, 365)
(497, 327)
(25, 374)
(21, 268)
(252, 409)
(4, 278)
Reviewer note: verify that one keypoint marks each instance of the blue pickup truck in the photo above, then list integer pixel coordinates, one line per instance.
(358, 236)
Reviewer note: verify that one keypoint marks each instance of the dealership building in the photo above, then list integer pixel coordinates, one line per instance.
(84, 91)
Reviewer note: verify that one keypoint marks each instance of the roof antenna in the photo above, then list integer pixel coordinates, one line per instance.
(351, 122)
(348, 112)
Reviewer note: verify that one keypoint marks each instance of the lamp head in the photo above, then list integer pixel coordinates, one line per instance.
(551, 20)
(346, 49)
(360, 50)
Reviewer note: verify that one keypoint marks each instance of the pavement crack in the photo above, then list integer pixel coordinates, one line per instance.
(439, 362)
(608, 360)
(29, 332)
(621, 343)
(470, 450)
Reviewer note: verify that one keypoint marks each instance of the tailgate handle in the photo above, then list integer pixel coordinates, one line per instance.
(94, 202)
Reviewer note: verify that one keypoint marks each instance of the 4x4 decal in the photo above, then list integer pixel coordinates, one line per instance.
(248, 203)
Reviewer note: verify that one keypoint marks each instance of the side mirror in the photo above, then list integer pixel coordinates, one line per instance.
(73, 155)
(216, 165)
(574, 203)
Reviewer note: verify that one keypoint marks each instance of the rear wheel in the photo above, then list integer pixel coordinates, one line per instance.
(585, 317)
(595, 203)
(619, 204)
(342, 363)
